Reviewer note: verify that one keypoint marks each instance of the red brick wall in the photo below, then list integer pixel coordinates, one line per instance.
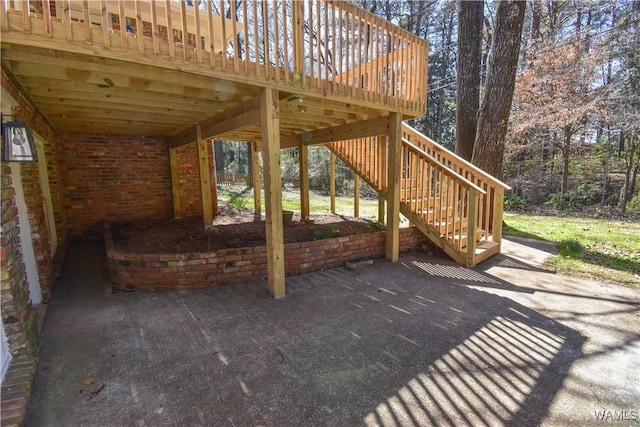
(17, 315)
(25, 111)
(209, 269)
(189, 179)
(113, 178)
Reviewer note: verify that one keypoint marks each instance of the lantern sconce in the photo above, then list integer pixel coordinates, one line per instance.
(17, 143)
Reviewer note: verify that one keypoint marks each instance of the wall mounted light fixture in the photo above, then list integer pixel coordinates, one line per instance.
(17, 143)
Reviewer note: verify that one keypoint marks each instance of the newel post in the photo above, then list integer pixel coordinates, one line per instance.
(498, 207)
(472, 226)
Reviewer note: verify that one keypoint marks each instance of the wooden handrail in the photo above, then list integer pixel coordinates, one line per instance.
(458, 160)
(449, 172)
(458, 208)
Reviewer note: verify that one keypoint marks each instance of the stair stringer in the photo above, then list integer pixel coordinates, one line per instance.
(434, 235)
(431, 232)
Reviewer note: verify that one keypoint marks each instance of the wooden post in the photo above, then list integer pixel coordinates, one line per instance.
(256, 177)
(356, 195)
(498, 207)
(175, 184)
(381, 209)
(392, 247)
(303, 152)
(270, 122)
(205, 180)
(472, 227)
(382, 175)
(382, 161)
(214, 176)
(298, 42)
(332, 181)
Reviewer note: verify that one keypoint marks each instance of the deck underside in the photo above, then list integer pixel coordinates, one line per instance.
(85, 94)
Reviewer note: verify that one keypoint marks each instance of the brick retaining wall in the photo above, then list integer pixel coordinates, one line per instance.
(159, 272)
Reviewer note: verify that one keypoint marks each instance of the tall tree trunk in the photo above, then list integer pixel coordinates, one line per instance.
(447, 35)
(493, 116)
(632, 166)
(249, 162)
(470, 20)
(566, 158)
(536, 12)
(488, 34)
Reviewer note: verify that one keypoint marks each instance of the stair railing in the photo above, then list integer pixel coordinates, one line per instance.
(441, 202)
(453, 202)
(490, 205)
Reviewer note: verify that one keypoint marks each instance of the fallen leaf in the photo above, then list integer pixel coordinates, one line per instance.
(87, 381)
(96, 392)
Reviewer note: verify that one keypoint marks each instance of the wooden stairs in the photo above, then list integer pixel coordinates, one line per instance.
(456, 205)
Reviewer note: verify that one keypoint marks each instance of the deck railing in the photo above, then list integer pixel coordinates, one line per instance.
(456, 204)
(328, 48)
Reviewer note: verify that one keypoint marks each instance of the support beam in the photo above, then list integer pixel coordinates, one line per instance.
(381, 144)
(175, 184)
(332, 181)
(244, 114)
(381, 209)
(187, 136)
(270, 122)
(356, 195)
(205, 180)
(303, 152)
(392, 248)
(214, 175)
(362, 129)
(256, 177)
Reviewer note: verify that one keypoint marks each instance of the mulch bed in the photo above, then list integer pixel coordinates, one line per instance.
(231, 229)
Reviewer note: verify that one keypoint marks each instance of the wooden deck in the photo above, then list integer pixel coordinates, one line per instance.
(279, 74)
(161, 67)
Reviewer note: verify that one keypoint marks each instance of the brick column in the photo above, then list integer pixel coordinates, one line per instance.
(17, 315)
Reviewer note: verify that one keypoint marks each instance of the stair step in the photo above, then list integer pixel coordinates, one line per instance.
(451, 224)
(485, 249)
(464, 238)
(431, 215)
(416, 202)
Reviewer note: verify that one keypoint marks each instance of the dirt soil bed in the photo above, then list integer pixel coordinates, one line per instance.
(231, 229)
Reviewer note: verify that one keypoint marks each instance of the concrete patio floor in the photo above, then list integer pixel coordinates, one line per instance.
(418, 342)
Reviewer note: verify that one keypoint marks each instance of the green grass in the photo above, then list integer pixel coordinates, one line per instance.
(291, 202)
(602, 249)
